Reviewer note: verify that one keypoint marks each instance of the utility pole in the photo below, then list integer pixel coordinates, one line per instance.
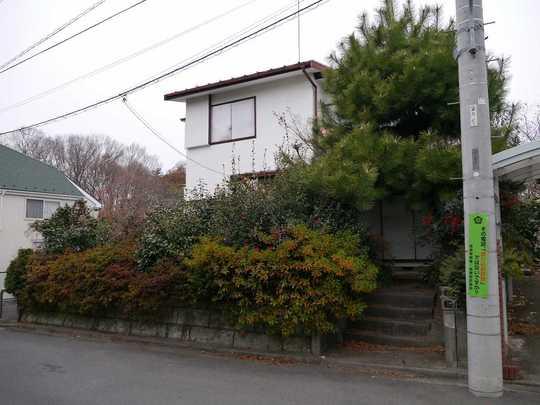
(483, 309)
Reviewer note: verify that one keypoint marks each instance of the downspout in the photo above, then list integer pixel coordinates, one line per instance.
(315, 94)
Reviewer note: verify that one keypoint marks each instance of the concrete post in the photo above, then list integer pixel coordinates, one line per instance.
(448, 306)
(483, 313)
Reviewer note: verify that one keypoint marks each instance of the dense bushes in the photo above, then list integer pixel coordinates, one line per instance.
(292, 281)
(71, 227)
(238, 212)
(16, 272)
(98, 282)
(452, 275)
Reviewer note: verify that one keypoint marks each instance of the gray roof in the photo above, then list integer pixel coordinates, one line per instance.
(22, 173)
(520, 163)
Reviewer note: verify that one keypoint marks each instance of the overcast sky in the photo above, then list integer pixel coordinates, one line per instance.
(22, 22)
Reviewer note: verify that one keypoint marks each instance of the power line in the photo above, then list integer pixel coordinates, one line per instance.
(73, 36)
(163, 139)
(154, 80)
(234, 36)
(52, 34)
(123, 59)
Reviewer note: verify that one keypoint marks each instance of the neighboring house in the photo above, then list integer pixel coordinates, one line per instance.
(29, 190)
(233, 128)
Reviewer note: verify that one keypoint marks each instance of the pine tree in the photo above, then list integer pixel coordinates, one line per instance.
(392, 125)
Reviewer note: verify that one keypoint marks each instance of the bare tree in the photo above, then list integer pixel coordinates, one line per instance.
(529, 127)
(125, 179)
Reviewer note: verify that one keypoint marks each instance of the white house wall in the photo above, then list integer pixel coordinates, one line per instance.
(293, 95)
(197, 125)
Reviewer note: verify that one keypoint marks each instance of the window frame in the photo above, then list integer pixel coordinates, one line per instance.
(43, 202)
(26, 208)
(211, 105)
(57, 202)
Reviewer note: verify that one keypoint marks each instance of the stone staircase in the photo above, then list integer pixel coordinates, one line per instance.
(400, 315)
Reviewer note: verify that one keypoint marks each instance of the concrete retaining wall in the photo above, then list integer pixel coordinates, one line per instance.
(199, 328)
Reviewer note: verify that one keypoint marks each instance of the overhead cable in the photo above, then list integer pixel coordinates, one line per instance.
(122, 60)
(187, 65)
(49, 36)
(163, 139)
(72, 36)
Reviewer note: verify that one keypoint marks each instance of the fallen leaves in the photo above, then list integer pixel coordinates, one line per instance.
(375, 348)
(524, 329)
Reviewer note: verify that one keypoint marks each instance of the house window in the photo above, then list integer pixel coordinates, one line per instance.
(232, 121)
(49, 208)
(40, 209)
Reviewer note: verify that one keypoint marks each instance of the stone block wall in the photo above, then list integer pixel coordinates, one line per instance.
(194, 327)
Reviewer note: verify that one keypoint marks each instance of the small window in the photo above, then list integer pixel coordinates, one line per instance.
(34, 208)
(41, 209)
(49, 208)
(232, 121)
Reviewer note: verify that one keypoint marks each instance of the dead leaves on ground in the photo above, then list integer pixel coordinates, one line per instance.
(375, 348)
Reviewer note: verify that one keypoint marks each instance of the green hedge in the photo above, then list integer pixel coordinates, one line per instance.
(16, 271)
(98, 282)
(293, 280)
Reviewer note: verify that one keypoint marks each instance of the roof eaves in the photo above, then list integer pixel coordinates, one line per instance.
(246, 78)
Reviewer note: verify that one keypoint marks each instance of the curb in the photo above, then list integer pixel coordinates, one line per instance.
(531, 381)
(50, 330)
(446, 373)
(329, 362)
(456, 376)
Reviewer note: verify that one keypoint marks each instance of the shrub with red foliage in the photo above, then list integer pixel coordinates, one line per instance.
(100, 281)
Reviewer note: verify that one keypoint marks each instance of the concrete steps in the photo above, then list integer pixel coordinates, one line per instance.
(390, 340)
(403, 297)
(399, 315)
(396, 327)
(397, 312)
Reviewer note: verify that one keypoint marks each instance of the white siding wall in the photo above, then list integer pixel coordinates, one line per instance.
(294, 94)
(197, 112)
(14, 233)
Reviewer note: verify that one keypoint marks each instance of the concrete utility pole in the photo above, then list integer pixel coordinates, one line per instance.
(483, 312)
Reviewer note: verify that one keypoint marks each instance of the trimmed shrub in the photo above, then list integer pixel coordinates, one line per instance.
(293, 281)
(16, 272)
(103, 281)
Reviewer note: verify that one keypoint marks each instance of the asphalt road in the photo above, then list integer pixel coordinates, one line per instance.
(42, 369)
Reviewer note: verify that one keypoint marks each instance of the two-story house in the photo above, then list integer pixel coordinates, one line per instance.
(233, 127)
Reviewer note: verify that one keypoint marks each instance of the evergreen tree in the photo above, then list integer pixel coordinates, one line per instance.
(392, 126)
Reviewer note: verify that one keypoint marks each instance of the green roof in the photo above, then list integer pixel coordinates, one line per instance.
(22, 173)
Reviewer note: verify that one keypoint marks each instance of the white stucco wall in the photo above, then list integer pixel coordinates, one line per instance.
(292, 96)
(14, 226)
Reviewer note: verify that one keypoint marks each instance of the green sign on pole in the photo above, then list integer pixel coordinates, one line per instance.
(477, 265)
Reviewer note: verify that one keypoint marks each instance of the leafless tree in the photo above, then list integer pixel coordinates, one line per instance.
(529, 126)
(125, 179)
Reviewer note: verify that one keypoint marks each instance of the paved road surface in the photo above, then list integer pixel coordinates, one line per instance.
(41, 369)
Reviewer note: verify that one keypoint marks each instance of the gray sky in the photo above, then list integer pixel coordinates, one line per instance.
(23, 22)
